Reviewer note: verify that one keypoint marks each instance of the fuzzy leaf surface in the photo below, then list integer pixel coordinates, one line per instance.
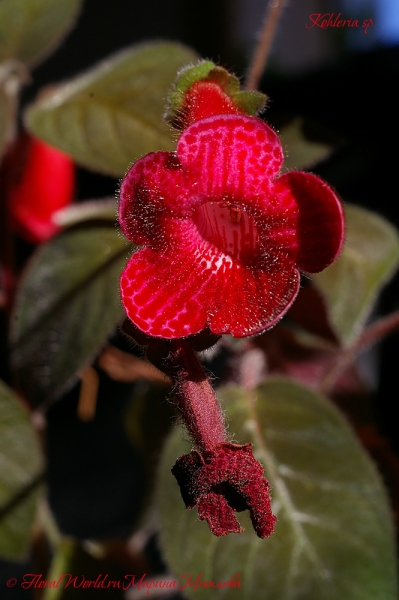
(67, 305)
(113, 114)
(20, 464)
(351, 285)
(30, 29)
(334, 535)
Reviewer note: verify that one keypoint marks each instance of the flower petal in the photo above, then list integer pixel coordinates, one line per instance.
(155, 185)
(162, 294)
(320, 226)
(253, 300)
(178, 292)
(230, 156)
(216, 511)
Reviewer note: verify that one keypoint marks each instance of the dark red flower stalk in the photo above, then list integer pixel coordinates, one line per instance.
(220, 478)
(41, 181)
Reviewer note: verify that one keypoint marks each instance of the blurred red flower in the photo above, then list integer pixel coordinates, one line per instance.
(41, 182)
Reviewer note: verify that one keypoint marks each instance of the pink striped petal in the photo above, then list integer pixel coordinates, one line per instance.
(230, 156)
(162, 294)
(178, 294)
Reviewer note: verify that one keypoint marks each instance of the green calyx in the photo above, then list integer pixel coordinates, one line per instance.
(249, 102)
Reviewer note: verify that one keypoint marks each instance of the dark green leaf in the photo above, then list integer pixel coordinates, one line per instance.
(334, 535)
(12, 75)
(300, 152)
(30, 29)
(351, 285)
(5, 116)
(20, 469)
(66, 306)
(112, 115)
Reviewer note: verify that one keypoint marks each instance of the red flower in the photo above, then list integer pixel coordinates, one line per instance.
(41, 182)
(224, 237)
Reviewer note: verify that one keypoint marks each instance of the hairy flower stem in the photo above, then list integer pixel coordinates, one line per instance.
(219, 478)
(195, 397)
(262, 50)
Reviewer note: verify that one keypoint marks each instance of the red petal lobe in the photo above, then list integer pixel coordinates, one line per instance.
(230, 156)
(320, 219)
(154, 186)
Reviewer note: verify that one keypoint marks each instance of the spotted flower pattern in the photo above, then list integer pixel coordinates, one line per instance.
(225, 235)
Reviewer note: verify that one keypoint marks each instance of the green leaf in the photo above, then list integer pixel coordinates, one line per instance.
(30, 29)
(351, 285)
(300, 152)
(112, 115)
(5, 118)
(334, 536)
(67, 305)
(12, 75)
(20, 469)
